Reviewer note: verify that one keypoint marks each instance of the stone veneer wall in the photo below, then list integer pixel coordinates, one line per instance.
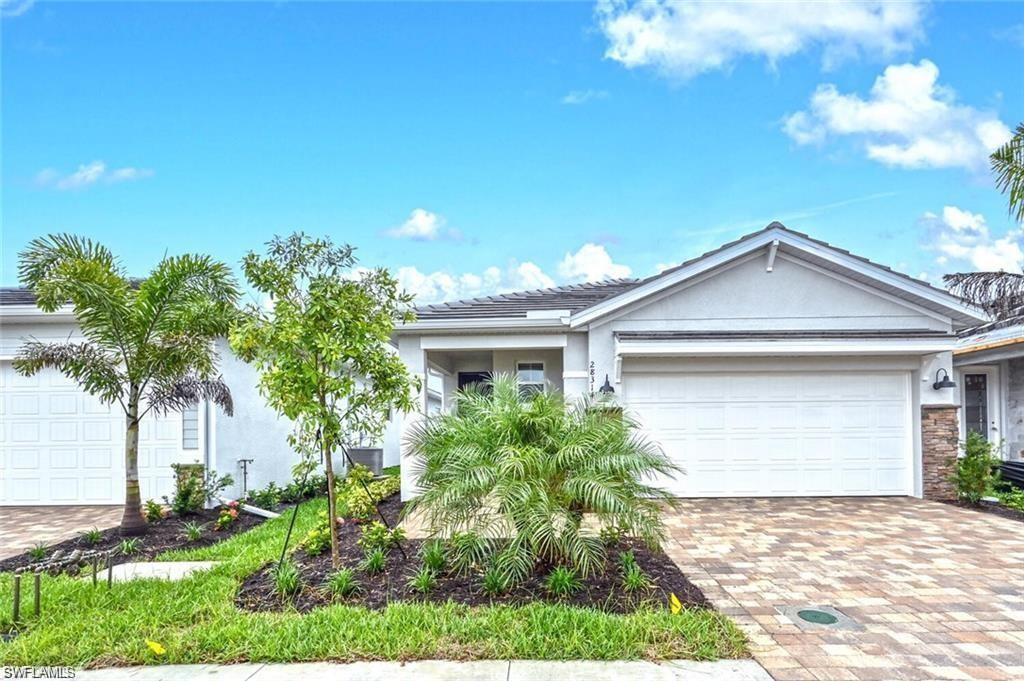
(940, 435)
(1014, 436)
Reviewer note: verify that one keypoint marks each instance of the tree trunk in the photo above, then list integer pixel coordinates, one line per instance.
(132, 522)
(326, 449)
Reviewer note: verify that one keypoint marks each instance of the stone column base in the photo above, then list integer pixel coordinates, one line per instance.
(940, 444)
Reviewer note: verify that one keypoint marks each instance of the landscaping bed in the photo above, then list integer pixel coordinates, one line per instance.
(602, 591)
(998, 509)
(163, 535)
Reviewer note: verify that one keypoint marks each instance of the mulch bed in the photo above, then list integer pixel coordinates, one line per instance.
(601, 591)
(994, 509)
(161, 536)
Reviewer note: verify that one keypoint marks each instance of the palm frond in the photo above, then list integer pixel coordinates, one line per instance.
(186, 391)
(95, 369)
(1001, 294)
(1008, 165)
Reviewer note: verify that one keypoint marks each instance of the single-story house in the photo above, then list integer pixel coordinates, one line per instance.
(989, 368)
(59, 445)
(775, 365)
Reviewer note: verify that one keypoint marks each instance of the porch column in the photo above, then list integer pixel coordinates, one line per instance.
(940, 428)
(575, 370)
(415, 359)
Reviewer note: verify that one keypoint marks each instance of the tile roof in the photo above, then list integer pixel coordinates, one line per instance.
(16, 295)
(574, 297)
(579, 297)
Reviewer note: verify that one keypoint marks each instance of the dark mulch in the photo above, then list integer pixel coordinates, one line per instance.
(161, 536)
(994, 509)
(602, 591)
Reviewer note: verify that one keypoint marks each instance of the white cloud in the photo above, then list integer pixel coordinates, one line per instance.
(591, 263)
(683, 39)
(89, 174)
(908, 120)
(584, 96)
(440, 286)
(15, 8)
(963, 241)
(423, 225)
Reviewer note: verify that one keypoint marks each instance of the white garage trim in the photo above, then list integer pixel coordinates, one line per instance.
(781, 433)
(682, 348)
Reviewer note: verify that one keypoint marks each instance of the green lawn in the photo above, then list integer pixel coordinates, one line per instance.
(196, 621)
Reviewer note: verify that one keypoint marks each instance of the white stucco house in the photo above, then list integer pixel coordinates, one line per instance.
(775, 365)
(61, 446)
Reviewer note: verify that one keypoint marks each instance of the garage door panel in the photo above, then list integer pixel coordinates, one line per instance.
(59, 445)
(779, 433)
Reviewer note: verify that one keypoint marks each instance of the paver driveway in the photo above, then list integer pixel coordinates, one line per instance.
(23, 526)
(938, 590)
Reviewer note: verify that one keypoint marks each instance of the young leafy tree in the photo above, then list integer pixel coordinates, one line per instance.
(1001, 294)
(148, 344)
(322, 345)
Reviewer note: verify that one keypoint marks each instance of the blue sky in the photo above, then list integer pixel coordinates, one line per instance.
(482, 147)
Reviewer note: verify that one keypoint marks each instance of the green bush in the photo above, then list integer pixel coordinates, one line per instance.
(562, 582)
(130, 546)
(37, 551)
(352, 498)
(318, 539)
(529, 467)
(93, 536)
(153, 511)
(193, 531)
(287, 580)
(1012, 498)
(432, 553)
(375, 561)
(266, 498)
(977, 470)
(423, 581)
(193, 488)
(343, 583)
(376, 535)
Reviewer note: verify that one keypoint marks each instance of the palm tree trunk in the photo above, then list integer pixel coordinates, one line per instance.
(132, 522)
(325, 448)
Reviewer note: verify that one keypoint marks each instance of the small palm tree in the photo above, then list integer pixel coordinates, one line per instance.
(148, 343)
(527, 468)
(1001, 294)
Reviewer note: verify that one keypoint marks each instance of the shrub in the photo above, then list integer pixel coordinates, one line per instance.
(432, 553)
(266, 498)
(193, 488)
(130, 546)
(374, 562)
(193, 531)
(153, 511)
(610, 536)
(92, 537)
(494, 582)
(977, 470)
(228, 516)
(287, 579)
(318, 539)
(343, 583)
(633, 578)
(562, 582)
(530, 467)
(376, 535)
(423, 581)
(353, 500)
(37, 551)
(1012, 498)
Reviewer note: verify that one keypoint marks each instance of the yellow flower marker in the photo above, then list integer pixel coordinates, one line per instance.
(156, 647)
(674, 605)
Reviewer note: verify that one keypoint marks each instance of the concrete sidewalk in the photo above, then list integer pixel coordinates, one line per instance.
(442, 670)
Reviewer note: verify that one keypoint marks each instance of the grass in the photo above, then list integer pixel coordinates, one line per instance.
(196, 621)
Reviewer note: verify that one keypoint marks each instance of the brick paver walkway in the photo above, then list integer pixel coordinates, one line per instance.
(23, 526)
(938, 590)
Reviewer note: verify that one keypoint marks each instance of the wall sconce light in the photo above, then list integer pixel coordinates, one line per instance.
(607, 388)
(943, 382)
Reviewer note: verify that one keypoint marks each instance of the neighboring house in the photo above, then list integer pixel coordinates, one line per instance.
(776, 365)
(989, 361)
(59, 445)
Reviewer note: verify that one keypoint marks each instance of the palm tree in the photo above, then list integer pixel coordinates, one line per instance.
(1001, 294)
(148, 343)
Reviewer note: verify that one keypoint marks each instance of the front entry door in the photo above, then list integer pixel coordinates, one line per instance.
(981, 403)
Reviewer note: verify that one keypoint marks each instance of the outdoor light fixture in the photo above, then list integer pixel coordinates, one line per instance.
(607, 388)
(943, 382)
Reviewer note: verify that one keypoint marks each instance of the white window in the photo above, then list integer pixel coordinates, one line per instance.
(190, 427)
(531, 377)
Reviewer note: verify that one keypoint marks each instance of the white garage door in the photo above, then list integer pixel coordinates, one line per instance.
(779, 434)
(61, 446)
